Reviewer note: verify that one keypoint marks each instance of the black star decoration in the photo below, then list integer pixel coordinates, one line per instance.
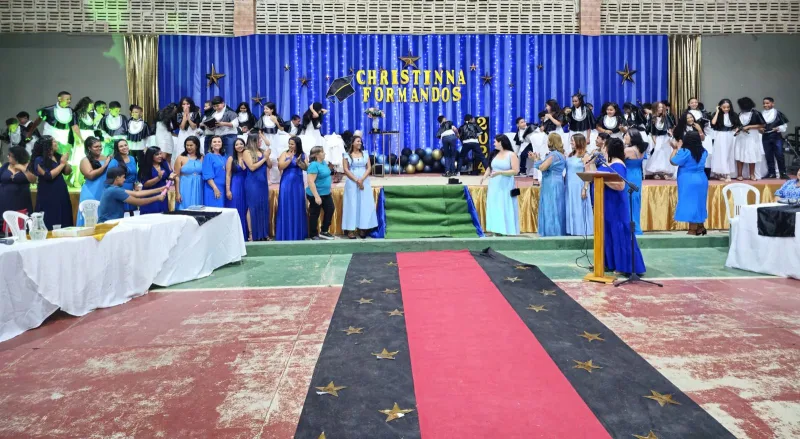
(539, 67)
(511, 85)
(627, 74)
(473, 67)
(214, 77)
(352, 70)
(286, 67)
(304, 81)
(487, 79)
(409, 60)
(257, 98)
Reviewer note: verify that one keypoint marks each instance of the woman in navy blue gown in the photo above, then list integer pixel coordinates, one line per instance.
(617, 215)
(256, 188)
(292, 220)
(214, 174)
(15, 182)
(235, 175)
(153, 174)
(52, 196)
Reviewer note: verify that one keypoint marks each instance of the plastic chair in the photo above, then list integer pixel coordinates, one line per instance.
(88, 203)
(13, 219)
(739, 192)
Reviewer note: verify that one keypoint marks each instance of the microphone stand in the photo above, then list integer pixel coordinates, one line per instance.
(634, 277)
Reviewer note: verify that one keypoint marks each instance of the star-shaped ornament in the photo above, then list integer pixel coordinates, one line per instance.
(409, 60)
(395, 413)
(585, 365)
(286, 67)
(385, 355)
(539, 67)
(548, 292)
(257, 98)
(365, 281)
(536, 308)
(322, 435)
(304, 81)
(473, 67)
(513, 279)
(391, 264)
(390, 291)
(510, 85)
(363, 301)
(521, 267)
(627, 75)
(650, 435)
(396, 312)
(214, 77)
(351, 330)
(352, 70)
(662, 399)
(327, 77)
(591, 337)
(330, 389)
(487, 79)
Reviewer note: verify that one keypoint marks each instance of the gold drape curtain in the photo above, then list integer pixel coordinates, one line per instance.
(684, 70)
(141, 64)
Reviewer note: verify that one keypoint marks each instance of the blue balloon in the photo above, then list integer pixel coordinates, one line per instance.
(381, 158)
(396, 169)
(413, 159)
(442, 161)
(427, 169)
(428, 151)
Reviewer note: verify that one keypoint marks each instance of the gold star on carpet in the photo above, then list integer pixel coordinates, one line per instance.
(351, 330)
(304, 81)
(396, 312)
(330, 389)
(286, 67)
(586, 365)
(591, 337)
(548, 292)
(650, 435)
(662, 399)
(395, 413)
(537, 308)
(539, 67)
(365, 281)
(363, 301)
(513, 279)
(473, 67)
(322, 436)
(627, 74)
(487, 79)
(390, 291)
(214, 77)
(385, 355)
(257, 98)
(409, 60)
(521, 267)
(392, 264)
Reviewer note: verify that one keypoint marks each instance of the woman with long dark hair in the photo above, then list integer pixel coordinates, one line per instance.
(554, 122)
(52, 196)
(235, 176)
(312, 123)
(580, 118)
(358, 206)
(15, 182)
(270, 129)
(552, 195)
(187, 120)
(256, 188)
(635, 148)
(246, 119)
(611, 122)
(165, 127)
(214, 174)
(93, 167)
(703, 119)
(747, 148)
(153, 174)
(188, 175)
(84, 116)
(690, 159)
(661, 129)
(291, 221)
(579, 214)
(123, 159)
(616, 218)
(725, 123)
(502, 209)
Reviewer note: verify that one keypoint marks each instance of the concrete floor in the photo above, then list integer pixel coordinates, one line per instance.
(230, 356)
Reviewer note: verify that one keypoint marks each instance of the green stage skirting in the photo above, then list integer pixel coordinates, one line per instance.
(427, 212)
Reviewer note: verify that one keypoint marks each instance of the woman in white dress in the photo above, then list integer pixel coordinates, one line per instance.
(246, 120)
(312, 122)
(272, 134)
(725, 123)
(187, 120)
(611, 122)
(165, 138)
(554, 121)
(84, 113)
(660, 129)
(747, 147)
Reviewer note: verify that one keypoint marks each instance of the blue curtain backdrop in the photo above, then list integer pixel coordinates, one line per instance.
(526, 69)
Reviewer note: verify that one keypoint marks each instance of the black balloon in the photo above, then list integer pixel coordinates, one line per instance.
(428, 160)
(406, 152)
(420, 152)
(403, 161)
(372, 160)
(437, 166)
(392, 159)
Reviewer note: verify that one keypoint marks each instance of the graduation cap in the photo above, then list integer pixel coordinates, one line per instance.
(341, 89)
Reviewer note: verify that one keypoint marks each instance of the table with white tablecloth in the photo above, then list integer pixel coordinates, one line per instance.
(79, 275)
(763, 254)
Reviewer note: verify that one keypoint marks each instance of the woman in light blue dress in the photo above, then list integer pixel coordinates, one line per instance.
(580, 219)
(692, 182)
(188, 175)
(502, 210)
(93, 167)
(123, 158)
(635, 148)
(552, 197)
(790, 190)
(359, 205)
(214, 174)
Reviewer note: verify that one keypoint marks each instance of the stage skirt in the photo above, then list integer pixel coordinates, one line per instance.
(659, 163)
(722, 161)
(747, 147)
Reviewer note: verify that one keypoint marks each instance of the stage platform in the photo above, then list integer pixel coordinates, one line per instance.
(659, 199)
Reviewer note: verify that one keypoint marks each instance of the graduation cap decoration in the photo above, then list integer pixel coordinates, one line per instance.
(341, 89)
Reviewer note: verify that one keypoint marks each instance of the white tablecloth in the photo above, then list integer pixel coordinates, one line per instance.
(763, 254)
(79, 275)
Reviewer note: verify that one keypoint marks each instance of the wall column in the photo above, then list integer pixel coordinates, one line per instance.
(590, 17)
(244, 17)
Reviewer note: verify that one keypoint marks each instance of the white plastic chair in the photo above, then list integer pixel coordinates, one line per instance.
(739, 192)
(88, 203)
(13, 218)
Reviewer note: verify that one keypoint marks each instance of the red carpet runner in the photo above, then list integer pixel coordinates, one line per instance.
(478, 370)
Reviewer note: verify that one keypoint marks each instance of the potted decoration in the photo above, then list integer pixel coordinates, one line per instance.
(375, 114)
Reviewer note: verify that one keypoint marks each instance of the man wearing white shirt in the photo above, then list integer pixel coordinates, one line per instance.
(227, 122)
(772, 140)
(294, 126)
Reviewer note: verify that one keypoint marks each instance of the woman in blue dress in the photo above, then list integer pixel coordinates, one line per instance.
(188, 175)
(235, 175)
(692, 182)
(359, 204)
(502, 210)
(214, 174)
(790, 190)
(635, 148)
(123, 159)
(617, 216)
(580, 219)
(256, 188)
(153, 174)
(552, 198)
(93, 167)
(291, 221)
(52, 196)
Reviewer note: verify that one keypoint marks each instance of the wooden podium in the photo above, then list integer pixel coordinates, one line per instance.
(599, 179)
